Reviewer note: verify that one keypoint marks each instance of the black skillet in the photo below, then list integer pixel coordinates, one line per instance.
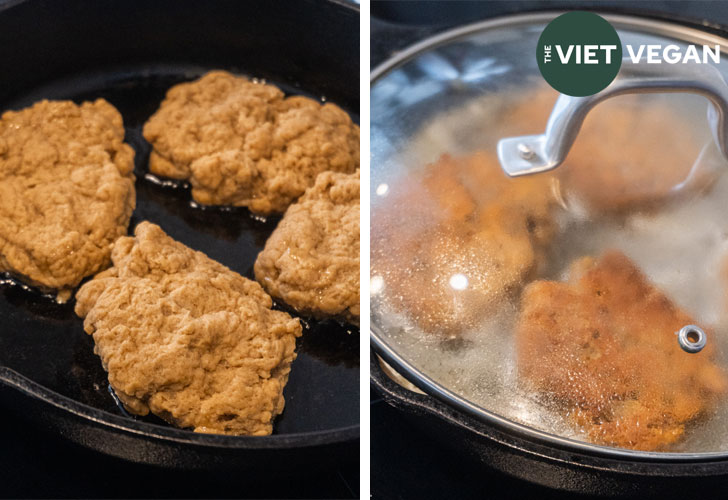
(130, 53)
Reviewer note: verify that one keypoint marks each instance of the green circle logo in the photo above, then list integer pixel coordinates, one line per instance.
(579, 53)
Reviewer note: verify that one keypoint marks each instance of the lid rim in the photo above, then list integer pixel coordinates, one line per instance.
(657, 27)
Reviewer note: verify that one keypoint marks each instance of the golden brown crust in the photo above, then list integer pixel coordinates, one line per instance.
(66, 191)
(461, 218)
(603, 347)
(311, 261)
(188, 339)
(244, 144)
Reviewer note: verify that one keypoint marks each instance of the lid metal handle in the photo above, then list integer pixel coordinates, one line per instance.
(530, 154)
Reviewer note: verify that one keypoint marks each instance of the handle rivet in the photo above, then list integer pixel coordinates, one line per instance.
(526, 152)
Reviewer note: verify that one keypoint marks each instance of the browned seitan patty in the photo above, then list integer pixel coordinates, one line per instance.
(245, 144)
(66, 191)
(188, 339)
(603, 347)
(453, 241)
(311, 261)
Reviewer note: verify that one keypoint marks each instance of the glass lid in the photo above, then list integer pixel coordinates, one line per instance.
(586, 305)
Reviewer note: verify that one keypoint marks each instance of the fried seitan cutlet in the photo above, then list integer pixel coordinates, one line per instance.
(629, 154)
(66, 191)
(243, 143)
(188, 339)
(311, 261)
(603, 348)
(452, 242)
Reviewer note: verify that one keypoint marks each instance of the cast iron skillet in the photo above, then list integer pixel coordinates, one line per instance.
(130, 53)
(502, 447)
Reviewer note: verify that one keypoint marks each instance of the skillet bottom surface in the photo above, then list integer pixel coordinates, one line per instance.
(45, 341)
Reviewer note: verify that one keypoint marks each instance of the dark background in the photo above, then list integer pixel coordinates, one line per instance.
(406, 463)
(36, 465)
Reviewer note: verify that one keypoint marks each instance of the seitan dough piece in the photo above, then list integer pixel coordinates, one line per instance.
(311, 261)
(603, 348)
(243, 143)
(66, 191)
(188, 339)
